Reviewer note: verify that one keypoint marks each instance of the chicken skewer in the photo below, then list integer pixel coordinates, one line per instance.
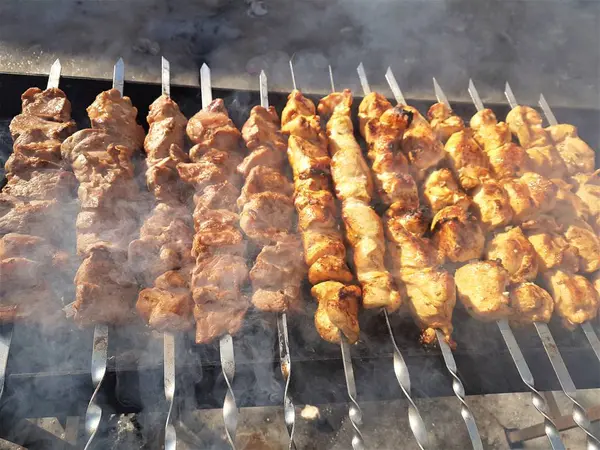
(581, 160)
(6, 329)
(336, 317)
(509, 338)
(353, 185)
(449, 360)
(267, 217)
(560, 369)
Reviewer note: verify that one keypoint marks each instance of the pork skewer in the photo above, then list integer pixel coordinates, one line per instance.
(441, 335)
(509, 338)
(336, 317)
(572, 166)
(353, 185)
(6, 329)
(560, 369)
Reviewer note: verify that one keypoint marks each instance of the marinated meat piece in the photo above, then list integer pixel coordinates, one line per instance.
(268, 217)
(263, 179)
(36, 217)
(581, 236)
(20, 164)
(114, 229)
(263, 129)
(420, 144)
(552, 249)
(482, 287)
(516, 254)
(277, 276)
(530, 303)
(575, 299)
(262, 156)
(50, 104)
(115, 114)
(21, 273)
(42, 185)
(440, 190)
(105, 289)
(166, 310)
(337, 311)
(467, 159)
(492, 203)
(213, 321)
(457, 234)
(24, 123)
(39, 305)
(576, 154)
(489, 133)
(86, 142)
(166, 135)
(372, 107)
(212, 128)
(444, 122)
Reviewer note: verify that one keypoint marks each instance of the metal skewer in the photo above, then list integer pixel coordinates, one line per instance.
(539, 402)
(169, 338)
(457, 385)
(417, 425)
(289, 411)
(564, 378)
(230, 409)
(93, 414)
(587, 328)
(354, 411)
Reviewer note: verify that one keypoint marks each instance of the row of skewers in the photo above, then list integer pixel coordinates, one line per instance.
(513, 229)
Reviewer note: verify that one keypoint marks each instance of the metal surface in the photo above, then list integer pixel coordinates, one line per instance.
(93, 414)
(364, 81)
(509, 338)
(564, 378)
(165, 76)
(6, 333)
(440, 94)
(459, 391)
(391, 79)
(289, 411)
(119, 76)
(475, 96)
(230, 409)
(537, 399)
(355, 413)
(547, 111)
(54, 76)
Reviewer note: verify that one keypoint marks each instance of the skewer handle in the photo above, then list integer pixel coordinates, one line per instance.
(415, 420)
(354, 411)
(536, 398)
(459, 391)
(169, 381)
(289, 411)
(230, 410)
(566, 382)
(93, 414)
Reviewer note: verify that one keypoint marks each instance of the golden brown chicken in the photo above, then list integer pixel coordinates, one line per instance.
(482, 288)
(324, 250)
(552, 249)
(457, 234)
(443, 121)
(530, 303)
(530, 195)
(467, 159)
(421, 145)
(440, 190)
(526, 124)
(580, 235)
(574, 151)
(354, 187)
(575, 299)
(588, 190)
(516, 254)
(492, 204)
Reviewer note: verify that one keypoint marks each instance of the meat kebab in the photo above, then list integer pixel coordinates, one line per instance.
(37, 260)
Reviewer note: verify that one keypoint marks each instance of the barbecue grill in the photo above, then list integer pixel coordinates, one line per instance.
(48, 369)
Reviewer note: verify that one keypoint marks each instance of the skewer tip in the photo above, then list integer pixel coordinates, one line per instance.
(389, 72)
(510, 95)
(331, 78)
(263, 75)
(291, 62)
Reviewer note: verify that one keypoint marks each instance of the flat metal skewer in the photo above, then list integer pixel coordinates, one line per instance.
(230, 409)
(93, 414)
(564, 378)
(587, 328)
(417, 425)
(289, 411)
(354, 411)
(168, 337)
(457, 385)
(539, 402)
